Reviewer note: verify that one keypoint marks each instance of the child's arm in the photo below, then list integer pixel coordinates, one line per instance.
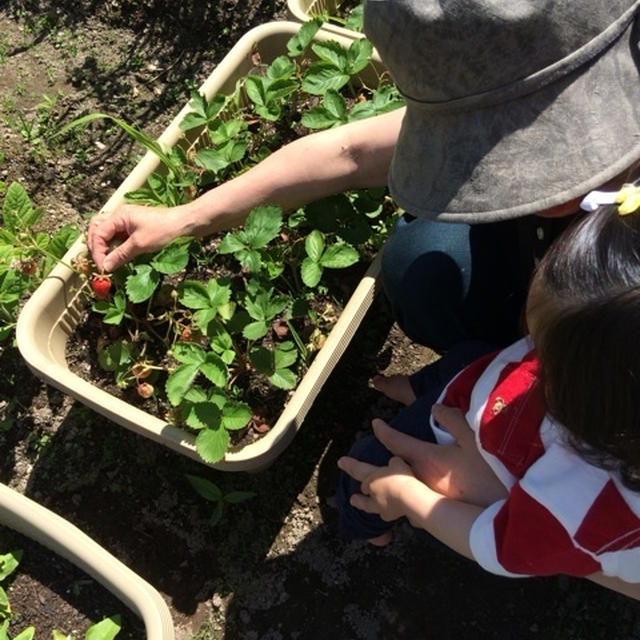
(393, 491)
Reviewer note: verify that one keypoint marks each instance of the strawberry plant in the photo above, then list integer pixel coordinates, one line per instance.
(214, 336)
(26, 254)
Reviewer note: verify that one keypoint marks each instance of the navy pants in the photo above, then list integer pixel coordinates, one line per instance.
(451, 282)
(412, 420)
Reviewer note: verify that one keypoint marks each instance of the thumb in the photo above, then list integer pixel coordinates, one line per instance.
(452, 420)
(399, 444)
(118, 256)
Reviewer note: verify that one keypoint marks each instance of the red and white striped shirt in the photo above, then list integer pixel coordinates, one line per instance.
(563, 515)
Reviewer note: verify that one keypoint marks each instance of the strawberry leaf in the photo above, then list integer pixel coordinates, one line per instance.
(212, 444)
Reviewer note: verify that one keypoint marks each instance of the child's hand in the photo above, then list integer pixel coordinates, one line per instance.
(383, 489)
(457, 471)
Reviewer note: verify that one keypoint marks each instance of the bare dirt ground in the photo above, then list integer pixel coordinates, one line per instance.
(274, 568)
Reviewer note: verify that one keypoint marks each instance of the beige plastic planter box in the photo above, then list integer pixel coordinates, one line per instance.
(51, 315)
(50, 530)
(304, 9)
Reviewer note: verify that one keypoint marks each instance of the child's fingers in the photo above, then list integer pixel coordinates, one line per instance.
(407, 447)
(355, 468)
(452, 420)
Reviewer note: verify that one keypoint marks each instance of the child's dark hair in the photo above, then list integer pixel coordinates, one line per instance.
(589, 346)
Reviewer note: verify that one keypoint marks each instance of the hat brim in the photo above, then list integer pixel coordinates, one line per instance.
(526, 155)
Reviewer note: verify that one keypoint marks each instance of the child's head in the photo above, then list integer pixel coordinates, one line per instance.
(583, 313)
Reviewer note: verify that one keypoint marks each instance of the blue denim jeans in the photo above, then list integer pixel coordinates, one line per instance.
(412, 420)
(449, 282)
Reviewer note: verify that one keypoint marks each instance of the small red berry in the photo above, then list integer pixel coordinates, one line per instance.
(101, 286)
(28, 267)
(186, 334)
(145, 389)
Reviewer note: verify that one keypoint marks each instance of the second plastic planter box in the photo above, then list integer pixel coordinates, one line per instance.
(303, 10)
(51, 315)
(60, 536)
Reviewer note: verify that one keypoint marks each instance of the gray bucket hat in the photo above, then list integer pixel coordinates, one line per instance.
(513, 106)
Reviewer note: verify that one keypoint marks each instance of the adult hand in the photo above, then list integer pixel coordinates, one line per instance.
(457, 471)
(383, 490)
(138, 229)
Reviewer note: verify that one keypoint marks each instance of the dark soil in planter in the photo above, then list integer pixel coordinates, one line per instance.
(274, 568)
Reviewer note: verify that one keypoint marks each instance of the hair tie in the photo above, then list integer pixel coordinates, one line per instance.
(627, 199)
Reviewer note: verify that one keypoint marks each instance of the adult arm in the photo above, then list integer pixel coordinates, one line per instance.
(356, 155)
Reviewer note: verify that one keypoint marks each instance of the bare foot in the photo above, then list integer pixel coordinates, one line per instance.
(381, 541)
(396, 388)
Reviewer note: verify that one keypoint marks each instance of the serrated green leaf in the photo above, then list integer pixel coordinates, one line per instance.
(314, 245)
(205, 488)
(281, 67)
(256, 88)
(262, 359)
(285, 354)
(213, 160)
(215, 370)
(172, 259)
(115, 356)
(192, 120)
(361, 111)
(279, 89)
(205, 415)
(255, 330)
(300, 41)
(270, 111)
(219, 337)
(283, 379)
(193, 295)
(339, 256)
(318, 118)
(212, 444)
(142, 284)
(17, 209)
(333, 53)
(9, 562)
(106, 629)
(235, 415)
(188, 353)
(322, 76)
(359, 55)
(250, 259)
(335, 105)
(230, 244)
(114, 314)
(179, 381)
(310, 272)
(262, 225)
(235, 497)
(63, 239)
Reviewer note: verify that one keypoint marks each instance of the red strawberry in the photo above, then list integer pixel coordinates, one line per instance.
(101, 286)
